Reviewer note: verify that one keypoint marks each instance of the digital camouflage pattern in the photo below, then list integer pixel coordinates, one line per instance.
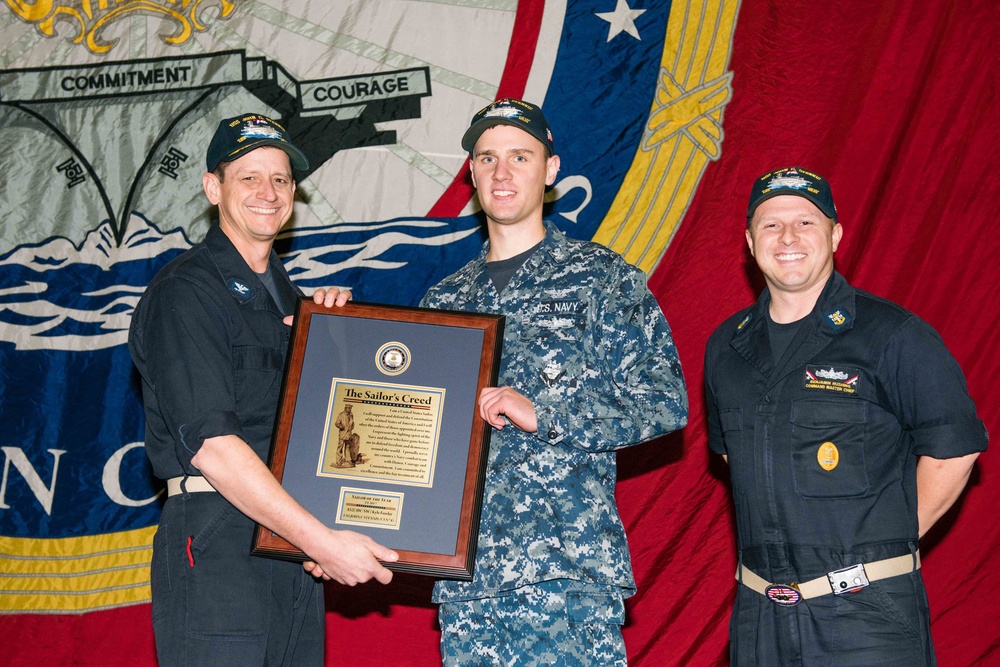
(586, 341)
(536, 625)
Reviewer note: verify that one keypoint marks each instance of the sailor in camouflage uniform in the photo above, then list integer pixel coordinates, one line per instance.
(588, 367)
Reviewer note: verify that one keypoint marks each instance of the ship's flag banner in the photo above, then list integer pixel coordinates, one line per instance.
(663, 112)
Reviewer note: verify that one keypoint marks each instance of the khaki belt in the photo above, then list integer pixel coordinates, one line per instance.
(179, 485)
(847, 580)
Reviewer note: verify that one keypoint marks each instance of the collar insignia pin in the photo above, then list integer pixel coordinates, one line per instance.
(838, 318)
(240, 289)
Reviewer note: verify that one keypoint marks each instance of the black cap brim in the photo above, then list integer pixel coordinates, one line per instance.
(295, 156)
(778, 192)
(476, 130)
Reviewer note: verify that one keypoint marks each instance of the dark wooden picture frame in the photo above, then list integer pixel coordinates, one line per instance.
(459, 352)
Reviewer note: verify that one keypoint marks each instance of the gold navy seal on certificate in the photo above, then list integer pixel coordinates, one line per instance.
(392, 358)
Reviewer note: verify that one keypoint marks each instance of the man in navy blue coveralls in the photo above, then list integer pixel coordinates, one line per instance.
(848, 430)
(209, 338)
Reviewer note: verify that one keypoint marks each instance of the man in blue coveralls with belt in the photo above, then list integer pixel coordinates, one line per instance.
(209, 338)
(848, 430)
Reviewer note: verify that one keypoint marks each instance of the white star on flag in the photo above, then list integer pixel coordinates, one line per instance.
(621, 20)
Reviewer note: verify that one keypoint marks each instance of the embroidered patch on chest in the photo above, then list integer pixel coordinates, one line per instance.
(568, 307)
(840, 379)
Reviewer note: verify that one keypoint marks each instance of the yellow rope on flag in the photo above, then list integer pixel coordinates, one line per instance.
(682, 134)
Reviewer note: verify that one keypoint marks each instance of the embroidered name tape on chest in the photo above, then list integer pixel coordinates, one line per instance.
(840, 379)
(573, 307)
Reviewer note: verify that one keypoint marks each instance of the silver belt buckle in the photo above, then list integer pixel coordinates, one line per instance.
(848, 580)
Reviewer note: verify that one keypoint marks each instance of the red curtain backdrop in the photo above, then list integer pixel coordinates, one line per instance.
(894, 102)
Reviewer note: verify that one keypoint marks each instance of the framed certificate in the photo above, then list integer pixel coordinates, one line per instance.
(378, 429)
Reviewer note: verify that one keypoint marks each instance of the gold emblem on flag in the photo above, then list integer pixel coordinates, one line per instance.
(91, 17)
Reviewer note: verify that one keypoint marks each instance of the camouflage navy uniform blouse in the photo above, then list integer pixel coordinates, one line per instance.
(586, 341)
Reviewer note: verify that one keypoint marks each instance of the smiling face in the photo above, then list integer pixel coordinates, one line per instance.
(255, 197)
(793, 243)
(510, 171)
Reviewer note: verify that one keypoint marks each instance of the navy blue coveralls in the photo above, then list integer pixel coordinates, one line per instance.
(878, 384)
(209, 343)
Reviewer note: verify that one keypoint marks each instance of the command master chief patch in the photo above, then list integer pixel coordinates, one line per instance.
(833, 378)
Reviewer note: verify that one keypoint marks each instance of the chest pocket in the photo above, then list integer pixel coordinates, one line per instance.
(258, 383)
(552, 346)
(828, 448)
